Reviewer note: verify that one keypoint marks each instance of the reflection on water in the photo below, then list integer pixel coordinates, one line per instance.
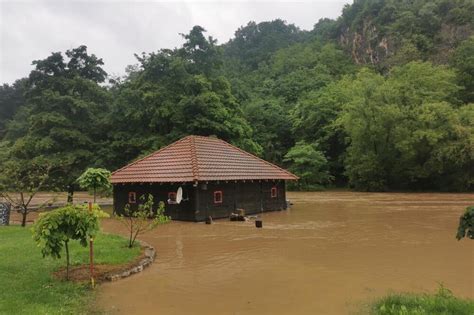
(329, 254)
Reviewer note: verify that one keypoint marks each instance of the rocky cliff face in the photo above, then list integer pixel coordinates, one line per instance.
(370, 46)
(391, 32)
(367, 46)
(449, 38)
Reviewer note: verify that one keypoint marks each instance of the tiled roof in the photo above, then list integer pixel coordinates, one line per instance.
(196, 158)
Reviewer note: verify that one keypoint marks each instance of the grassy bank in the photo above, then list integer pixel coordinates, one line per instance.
(28, 286)
(443, 302)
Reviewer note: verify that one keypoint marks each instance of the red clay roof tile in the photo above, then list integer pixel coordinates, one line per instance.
(196, 158)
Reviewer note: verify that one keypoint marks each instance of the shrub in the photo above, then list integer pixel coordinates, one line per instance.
(466, 224)
(55, 229)
(143, 219)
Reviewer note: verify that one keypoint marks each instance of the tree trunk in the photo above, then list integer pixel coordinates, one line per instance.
(130, 241)
(130, 227)
(24, 210)
(134, 238)
(70, 193)
(67, 259)
(24, 213)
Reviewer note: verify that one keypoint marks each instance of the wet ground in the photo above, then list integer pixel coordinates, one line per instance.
(50, 200)
(331, 253)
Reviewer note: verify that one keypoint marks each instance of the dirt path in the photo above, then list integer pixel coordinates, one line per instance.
(329, 254)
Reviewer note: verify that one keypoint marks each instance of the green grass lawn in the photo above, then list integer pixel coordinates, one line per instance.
(27, 285)
(441, 303)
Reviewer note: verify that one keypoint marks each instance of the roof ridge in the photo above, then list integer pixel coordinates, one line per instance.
(195, 158)
(194, 161)
(256, 157)
(150, 155)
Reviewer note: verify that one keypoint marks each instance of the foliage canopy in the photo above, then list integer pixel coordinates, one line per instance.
(95, 179)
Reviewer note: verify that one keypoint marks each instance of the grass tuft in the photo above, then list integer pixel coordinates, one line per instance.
(443, 302)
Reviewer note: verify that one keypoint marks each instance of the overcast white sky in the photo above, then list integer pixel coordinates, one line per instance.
(115, 30)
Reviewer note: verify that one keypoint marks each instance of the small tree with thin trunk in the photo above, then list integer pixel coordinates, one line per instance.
(57, 228)
(466, 224)
(21, 180)
(95, 179)
(143, 219)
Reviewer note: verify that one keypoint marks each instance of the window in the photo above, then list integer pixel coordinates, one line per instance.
(132, 197)
(274, 192)
(171, 197)
(218, 196)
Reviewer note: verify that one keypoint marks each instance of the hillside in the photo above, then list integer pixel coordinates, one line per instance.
(382, 98)
(389, 33)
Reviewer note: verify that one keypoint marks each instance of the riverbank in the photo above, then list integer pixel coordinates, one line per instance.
(30, 283)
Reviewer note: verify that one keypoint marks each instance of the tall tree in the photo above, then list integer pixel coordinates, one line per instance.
(202, 54)
(21, 180)
(60, 120)
(255, 43)
(310, 164)
(407, 131)
(12, 97)
(176, 93)
(463, 63)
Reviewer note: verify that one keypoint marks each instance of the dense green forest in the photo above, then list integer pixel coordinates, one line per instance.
(382, 98)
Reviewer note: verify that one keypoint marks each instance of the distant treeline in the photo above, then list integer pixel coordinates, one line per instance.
(381, 98)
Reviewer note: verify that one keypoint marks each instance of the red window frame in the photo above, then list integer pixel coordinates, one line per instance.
(172, 196)
(274, 192)
(218, 200)
(132, 197)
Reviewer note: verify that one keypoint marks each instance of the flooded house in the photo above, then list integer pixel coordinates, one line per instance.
(199, 177)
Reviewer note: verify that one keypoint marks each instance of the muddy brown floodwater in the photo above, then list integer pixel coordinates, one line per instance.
(331, 253)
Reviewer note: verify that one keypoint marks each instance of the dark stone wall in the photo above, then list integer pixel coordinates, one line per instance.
(253, 197)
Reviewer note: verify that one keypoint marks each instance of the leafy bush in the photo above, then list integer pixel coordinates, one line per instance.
(56, 228)
(143, 219)
(310, 164)
(466, 224)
